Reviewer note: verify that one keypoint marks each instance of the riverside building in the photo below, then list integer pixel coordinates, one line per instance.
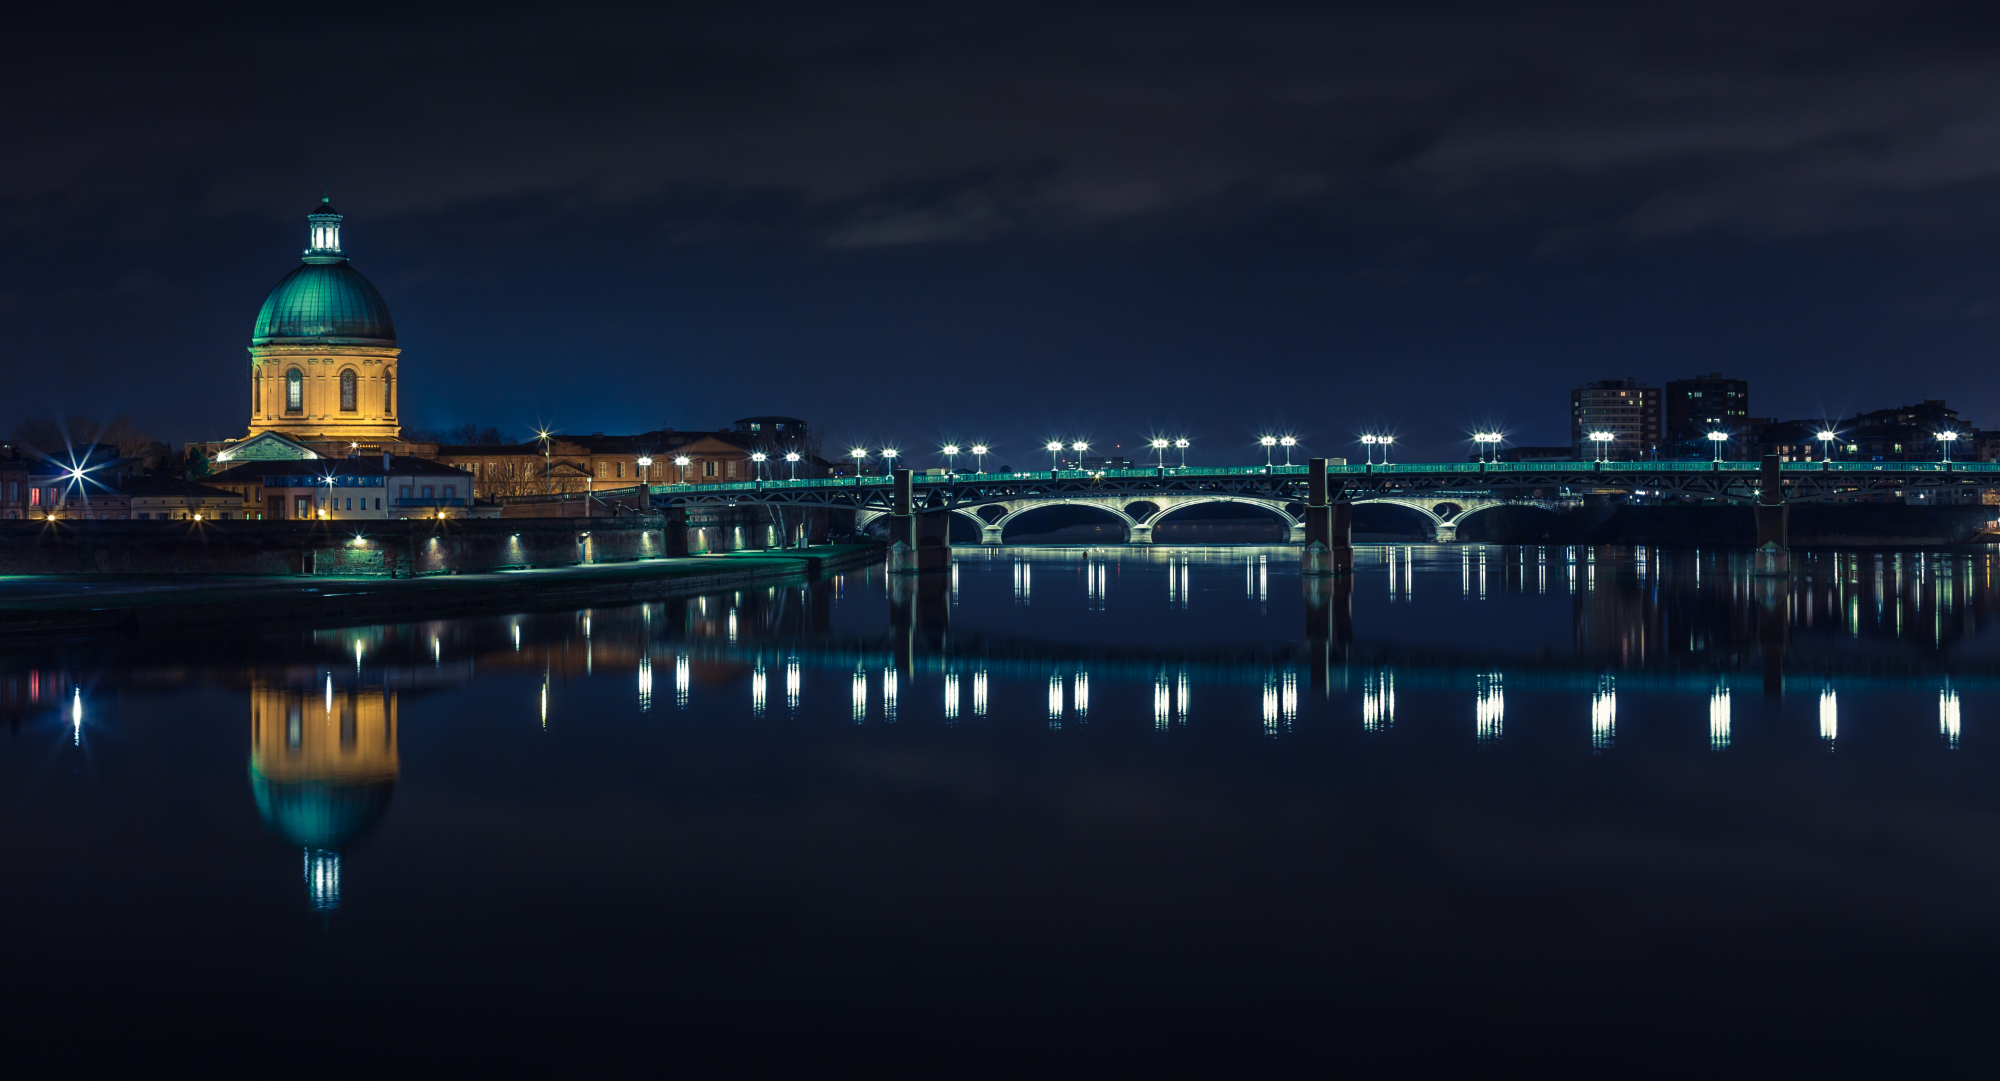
(1625, 409)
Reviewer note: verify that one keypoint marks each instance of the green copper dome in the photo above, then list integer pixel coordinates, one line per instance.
(324, 300)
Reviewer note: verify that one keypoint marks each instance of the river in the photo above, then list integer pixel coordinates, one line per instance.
(1478, 798)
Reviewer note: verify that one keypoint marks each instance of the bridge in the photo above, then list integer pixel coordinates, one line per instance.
(1314, 501)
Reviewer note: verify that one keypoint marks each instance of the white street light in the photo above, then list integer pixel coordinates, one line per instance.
(888, 460)
(1288, 443)
(1183, 445)
(979, 452)
(759, 457)
(1826, 439)
(682, 461)
(1159, 451)
(645, 466)
(1054, 448)
(951, 457)
(1385, 440)
(1718, 438)
(1947, 438)
(792, 456)
(1267, 443)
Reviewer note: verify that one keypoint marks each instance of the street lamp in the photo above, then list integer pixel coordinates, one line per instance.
(548, 467)
(1159, 452)
(645, 467)
(1826, 445)
(1718, 438)
(1267, 443)
(888, 460)
(682, 461)
(1603, 441)
(1947, 438)
(1368, 444)
(1288, 443)
(1489, 443)
(979, 452)
(1183, 445)
(1054, 448)
(759, 457)
(951, 457)
(1385, 440)
(1079, 447)
(792, 457)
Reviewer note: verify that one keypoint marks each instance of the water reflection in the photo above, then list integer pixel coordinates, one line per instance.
(1639, 640)
(322, 769)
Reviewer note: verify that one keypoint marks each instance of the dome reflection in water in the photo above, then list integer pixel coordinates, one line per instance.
(322, 769)
(1119, 781)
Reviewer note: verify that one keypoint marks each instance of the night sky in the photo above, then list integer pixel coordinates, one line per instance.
(909, 223)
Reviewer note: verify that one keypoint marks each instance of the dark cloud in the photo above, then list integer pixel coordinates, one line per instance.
(1332, 195)
(910, 124)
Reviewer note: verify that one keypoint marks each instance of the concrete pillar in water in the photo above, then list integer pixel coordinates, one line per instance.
(1329, 547)
(917, 542)
(1774, 554)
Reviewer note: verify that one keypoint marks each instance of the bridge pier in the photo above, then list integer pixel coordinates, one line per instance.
(1329, 526)
(991, 534)
(917, 542)
(1774, 554)
(1141, 534)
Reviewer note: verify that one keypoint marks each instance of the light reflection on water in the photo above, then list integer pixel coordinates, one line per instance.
(1154, 666)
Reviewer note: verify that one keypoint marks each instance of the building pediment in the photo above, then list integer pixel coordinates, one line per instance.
(266, 447)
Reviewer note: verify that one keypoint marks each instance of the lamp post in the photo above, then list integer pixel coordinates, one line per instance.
(1160, 452)
(548, 467)
(858, 455)
(1385, 440)
(1079, 447)
(1183, 445)
(979, 453)
(1603, 441)
(1368, 444)
(1054, 448)
(1288, 443)
(888, 460)
(1718, 438)
(951, 458)
(681, 460)
(1826, 445)
(792, 457)
(1267, 443)
(1489, 445)
(645, 473)
(758, 458)
(1947, 438)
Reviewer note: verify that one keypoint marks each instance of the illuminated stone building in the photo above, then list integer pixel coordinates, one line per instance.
(322, 768)
(323, 355)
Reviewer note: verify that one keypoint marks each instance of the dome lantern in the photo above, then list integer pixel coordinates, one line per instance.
(324, 230)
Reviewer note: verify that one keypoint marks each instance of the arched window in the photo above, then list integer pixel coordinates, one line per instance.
(389, 392)
(347, 391)
(295, 391)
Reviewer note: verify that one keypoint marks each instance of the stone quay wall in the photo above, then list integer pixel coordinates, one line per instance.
(401, 548)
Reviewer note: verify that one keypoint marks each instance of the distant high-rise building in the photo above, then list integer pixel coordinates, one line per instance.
(1704, 404)
(1626, 409)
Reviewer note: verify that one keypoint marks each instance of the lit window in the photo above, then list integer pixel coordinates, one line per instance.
(295, 391)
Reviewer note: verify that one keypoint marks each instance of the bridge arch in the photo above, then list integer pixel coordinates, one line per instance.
(866, 517)
(1100, 506)
(1266, 511)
